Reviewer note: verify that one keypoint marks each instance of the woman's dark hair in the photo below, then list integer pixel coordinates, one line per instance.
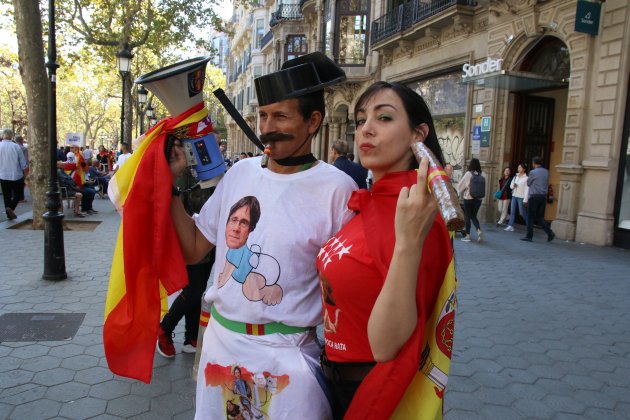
(507, 167)
(417, 111)
(524, 165)
(474, 165)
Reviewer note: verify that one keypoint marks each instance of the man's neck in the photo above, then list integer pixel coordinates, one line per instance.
(287, 170)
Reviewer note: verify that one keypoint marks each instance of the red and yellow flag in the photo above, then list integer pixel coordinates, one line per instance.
(79, 172)
(148, 263)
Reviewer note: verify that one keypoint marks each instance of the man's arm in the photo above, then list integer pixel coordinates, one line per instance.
(193, 244)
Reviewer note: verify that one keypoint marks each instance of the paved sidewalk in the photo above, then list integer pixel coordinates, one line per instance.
(542, 331)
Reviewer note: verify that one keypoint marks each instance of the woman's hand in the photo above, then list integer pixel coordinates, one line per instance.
(415, 211)
(177, 160)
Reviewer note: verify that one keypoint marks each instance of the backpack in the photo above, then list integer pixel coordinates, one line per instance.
(477, 188)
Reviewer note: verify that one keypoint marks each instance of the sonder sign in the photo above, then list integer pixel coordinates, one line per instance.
(488, 66)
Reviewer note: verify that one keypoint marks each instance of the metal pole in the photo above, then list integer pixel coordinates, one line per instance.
(122, 110)
(54, 254)
(141, 116)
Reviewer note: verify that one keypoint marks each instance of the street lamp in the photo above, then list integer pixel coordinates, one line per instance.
(153, 121)
(150, 112)
(142, 99)
(54, 254)
(123, 59)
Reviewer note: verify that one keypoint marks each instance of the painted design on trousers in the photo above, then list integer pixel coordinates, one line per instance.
(246, 395)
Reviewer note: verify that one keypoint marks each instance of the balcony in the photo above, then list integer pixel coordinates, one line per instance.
(408, 15)
(286, 12)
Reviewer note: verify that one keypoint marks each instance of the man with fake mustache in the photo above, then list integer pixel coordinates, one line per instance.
(302, 203)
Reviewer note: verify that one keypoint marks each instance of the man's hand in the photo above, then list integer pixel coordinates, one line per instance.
(177, 160)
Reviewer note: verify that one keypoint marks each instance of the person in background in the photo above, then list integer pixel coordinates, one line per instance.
(242, 156)
(538, 183)
(471, 205)
(339, 159)
(382, 272)
(87, 155)
(520, 190)
(20, 142)
(124, 155)
(506, 195)
(12, 167)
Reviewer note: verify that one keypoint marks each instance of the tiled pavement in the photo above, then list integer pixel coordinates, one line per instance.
(542, 331)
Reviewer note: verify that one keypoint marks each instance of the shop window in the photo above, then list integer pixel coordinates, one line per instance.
(351, 33)
(295, 46)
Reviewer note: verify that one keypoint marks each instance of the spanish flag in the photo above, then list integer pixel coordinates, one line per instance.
(78, 176)
(412, 385)
(148, 263)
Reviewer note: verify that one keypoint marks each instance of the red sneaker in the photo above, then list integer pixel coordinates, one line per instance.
(190, 346)
(165, 344)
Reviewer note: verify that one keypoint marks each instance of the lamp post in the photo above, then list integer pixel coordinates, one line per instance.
(142, 99)
(123, 59)
(54, 254)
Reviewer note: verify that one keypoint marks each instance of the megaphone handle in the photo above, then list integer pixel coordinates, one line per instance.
(168, 146)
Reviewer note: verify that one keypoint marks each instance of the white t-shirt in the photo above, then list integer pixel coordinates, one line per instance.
(122, 158)
(298, 214)
(87, 154)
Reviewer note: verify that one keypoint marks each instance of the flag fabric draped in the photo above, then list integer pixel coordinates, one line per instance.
(78, 176)
(147, 264)
(411, 386)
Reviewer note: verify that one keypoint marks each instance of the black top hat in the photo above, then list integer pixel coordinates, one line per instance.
(298, 77)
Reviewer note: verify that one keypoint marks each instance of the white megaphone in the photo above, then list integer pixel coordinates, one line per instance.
(179, 87)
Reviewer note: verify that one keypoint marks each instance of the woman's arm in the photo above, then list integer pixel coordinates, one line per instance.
(395, 315)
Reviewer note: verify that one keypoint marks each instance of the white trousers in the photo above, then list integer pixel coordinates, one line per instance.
(275, 376)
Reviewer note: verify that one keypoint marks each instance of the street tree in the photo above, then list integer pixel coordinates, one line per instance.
(28, 26)
(110, 26)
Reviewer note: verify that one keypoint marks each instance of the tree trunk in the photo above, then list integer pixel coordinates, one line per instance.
(28, 24)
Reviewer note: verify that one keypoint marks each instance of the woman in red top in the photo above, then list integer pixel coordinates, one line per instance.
(382, 273)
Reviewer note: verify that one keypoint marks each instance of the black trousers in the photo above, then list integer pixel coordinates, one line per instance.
(12, 192)
(188, 303)
(471, 208)
(536, 214)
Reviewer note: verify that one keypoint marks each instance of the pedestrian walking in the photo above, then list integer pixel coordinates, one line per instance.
(520, 192)
(505, 195)
(12, 167)
(538, 183)
(472, 189)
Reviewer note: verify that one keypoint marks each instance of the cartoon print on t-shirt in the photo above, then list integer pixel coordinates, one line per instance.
(256, 271)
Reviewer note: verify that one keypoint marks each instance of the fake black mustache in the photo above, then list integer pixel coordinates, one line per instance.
(266, 138)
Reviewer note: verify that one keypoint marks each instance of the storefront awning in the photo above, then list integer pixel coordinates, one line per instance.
(516, 81)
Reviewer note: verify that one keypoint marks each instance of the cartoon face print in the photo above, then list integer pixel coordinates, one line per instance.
(248, 265)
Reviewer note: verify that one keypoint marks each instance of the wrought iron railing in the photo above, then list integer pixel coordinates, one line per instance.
(286, 12)
(408, 14)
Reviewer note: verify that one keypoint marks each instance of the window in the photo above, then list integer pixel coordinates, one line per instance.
(295, 46)
(351, 42)
(260, 32)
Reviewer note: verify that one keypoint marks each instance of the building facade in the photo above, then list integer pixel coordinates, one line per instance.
(506, 80)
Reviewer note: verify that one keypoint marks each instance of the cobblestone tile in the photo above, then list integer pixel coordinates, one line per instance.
(127, 406)
(83, 408)
(9, 363)
(22, 394)
(154, 389)
(67, 392)
(110, 390)
(42, 363)
(171, 404)
(15, 377)
(564, 403)
(80, 362)
(40, 409)
(53, 377)
(534, 409)
(526, 392)
(30, 351)
(93, 375)
(68, 350)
